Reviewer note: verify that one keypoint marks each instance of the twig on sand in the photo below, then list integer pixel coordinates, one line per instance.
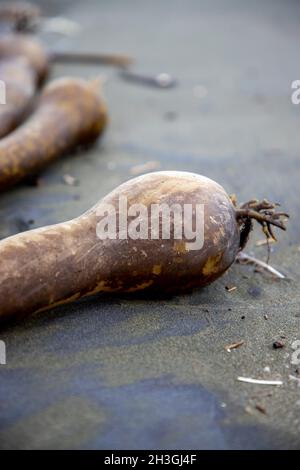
(247, 259)
(230, 288)
(236, 345)
(259, 382)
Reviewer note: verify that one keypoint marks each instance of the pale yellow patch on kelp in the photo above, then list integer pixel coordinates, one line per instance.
(212, 265)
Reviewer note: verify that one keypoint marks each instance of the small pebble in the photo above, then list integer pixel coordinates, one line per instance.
(70, 180)
(164, 80)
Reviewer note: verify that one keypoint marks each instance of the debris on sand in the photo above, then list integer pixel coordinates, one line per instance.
(265, 241)
(236, 345)
(259, 382)
(230, 288)
(70, 180)
(247, 259)
(261, 409)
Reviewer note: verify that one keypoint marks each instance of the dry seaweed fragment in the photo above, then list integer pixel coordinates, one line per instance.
(236, 345)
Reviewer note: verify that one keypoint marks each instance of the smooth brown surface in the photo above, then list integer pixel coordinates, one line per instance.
(28, 46)
(51, 265)
(69, 113)
(23, 67)
(20, 88)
